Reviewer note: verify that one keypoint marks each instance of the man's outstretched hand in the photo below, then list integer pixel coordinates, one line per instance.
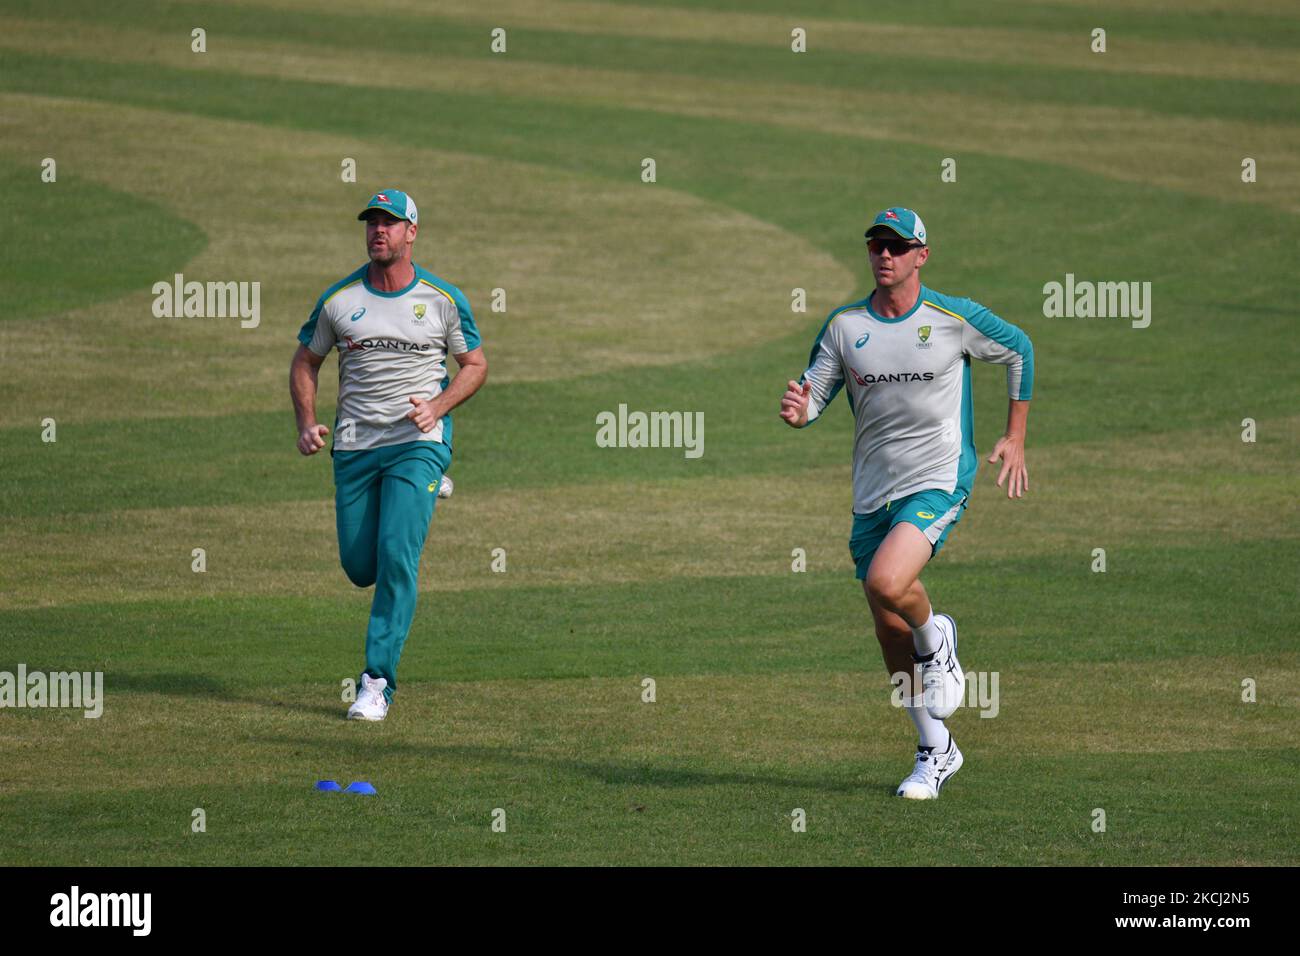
(1011, 449)
(794, 404)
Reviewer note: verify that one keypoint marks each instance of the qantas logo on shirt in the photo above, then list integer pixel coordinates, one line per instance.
(886, 377)
(391, 345)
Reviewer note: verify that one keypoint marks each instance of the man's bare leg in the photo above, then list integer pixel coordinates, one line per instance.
(905, 622)
(897, 646)
(894, 570)
(895, 637)
(897, 565)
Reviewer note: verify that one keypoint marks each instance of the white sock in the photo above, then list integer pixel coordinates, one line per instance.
(927, 638)
(933, 732)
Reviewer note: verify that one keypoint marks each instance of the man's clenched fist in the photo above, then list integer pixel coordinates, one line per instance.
(312, 439)
(423, 414)
(794, 404)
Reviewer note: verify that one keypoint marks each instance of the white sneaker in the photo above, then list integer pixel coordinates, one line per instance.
(445, 487)
(370, 703)
(931, 773)
(942, 680)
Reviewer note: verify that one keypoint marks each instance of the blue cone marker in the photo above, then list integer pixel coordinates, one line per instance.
(329, 785)
(361, 786)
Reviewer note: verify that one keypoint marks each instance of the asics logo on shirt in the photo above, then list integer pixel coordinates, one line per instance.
(862, 341)
(357, 314)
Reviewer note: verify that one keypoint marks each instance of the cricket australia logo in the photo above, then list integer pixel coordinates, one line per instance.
(923, 333)
(419, 314)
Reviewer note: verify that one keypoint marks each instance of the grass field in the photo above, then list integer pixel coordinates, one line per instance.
(522, 690)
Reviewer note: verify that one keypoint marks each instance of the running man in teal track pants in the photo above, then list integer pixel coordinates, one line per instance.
(393, 323)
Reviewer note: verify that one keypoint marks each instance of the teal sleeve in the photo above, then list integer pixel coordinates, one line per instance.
(316, 335)
(824, 371)
(308, 329)
(992, 339)
(467, 327)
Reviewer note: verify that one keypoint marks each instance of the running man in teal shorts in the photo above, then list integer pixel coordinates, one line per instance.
(904, 355)
(393, 324)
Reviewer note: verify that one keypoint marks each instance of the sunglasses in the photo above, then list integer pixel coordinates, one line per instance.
(896, 247)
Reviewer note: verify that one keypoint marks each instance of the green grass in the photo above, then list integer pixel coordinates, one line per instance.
(522, 691)
(79, 243)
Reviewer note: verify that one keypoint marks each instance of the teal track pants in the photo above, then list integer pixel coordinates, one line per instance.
(383, 503)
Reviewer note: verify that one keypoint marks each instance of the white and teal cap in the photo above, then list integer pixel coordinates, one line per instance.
(395, 202)
(905, 222)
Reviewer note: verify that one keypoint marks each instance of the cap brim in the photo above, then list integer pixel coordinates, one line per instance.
(892, 228)
(362, 215)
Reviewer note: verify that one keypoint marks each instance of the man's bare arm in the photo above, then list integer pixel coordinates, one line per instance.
(469, 379)
(1011, 449)
(303, 373)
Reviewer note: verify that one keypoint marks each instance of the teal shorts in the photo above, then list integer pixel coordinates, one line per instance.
(933, 511)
